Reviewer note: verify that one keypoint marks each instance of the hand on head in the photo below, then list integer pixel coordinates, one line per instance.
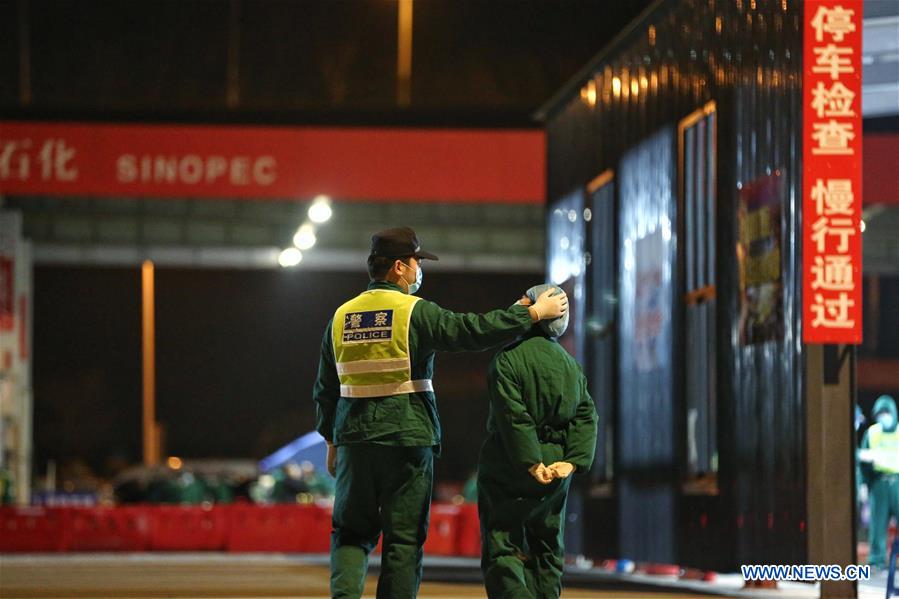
(549, 306)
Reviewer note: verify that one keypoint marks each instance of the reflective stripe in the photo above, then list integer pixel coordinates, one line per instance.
(387, 390)
(363, 366)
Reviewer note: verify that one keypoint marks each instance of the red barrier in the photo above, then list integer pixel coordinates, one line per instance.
(659, 569)
(279, 528)
(319, 539)
(238, 528)
(109, 528)
(442, 532)
(468, 537)
(33, 529)
(449, 523)
(189, 528)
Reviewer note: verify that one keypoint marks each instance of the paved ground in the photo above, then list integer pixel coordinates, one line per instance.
(269, 576)
(223, 577)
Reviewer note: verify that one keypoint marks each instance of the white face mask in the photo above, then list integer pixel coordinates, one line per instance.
(413, 287)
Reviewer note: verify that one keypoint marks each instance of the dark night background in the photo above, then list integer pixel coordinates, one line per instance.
(300, 61)
(237, 354)
(237, 350)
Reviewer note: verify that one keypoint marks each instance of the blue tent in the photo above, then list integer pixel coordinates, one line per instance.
(311, 447)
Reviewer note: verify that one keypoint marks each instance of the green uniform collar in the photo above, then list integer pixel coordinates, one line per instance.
(384, 285)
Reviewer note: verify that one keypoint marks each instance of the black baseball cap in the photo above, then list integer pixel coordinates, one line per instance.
(398, 243)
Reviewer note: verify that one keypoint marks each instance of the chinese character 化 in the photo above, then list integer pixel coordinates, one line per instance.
(56, 161)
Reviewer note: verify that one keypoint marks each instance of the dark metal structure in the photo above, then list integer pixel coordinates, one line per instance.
(674, 180)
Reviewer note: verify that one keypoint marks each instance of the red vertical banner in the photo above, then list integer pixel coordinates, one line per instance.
(7, 283)
(832, 172)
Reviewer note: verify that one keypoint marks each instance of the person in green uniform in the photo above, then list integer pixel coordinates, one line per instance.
(880, 468)
(541, 428)
(376, 408)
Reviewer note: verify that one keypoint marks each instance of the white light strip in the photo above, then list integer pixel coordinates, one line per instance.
(267, 257)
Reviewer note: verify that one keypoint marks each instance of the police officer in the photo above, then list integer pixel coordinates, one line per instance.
(376, 408)
(541, 429)
(880, 468)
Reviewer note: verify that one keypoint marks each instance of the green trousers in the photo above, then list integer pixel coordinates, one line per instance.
(522, 530)
(884, 498)
(380, 489)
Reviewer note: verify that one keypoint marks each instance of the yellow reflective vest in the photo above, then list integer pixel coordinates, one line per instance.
(370, 334)
(885, 447)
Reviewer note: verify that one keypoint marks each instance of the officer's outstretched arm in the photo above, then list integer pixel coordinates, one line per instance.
(445, 330)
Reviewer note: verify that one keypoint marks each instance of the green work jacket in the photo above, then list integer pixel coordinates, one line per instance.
(540, 410)
(409, 419)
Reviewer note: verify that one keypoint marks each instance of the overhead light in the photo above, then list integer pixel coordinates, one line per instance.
(320, 210)
(290, 257)
(305, 237)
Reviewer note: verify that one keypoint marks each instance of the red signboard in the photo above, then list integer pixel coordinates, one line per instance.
(7, 284)
(265, 162)
(832, 175)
